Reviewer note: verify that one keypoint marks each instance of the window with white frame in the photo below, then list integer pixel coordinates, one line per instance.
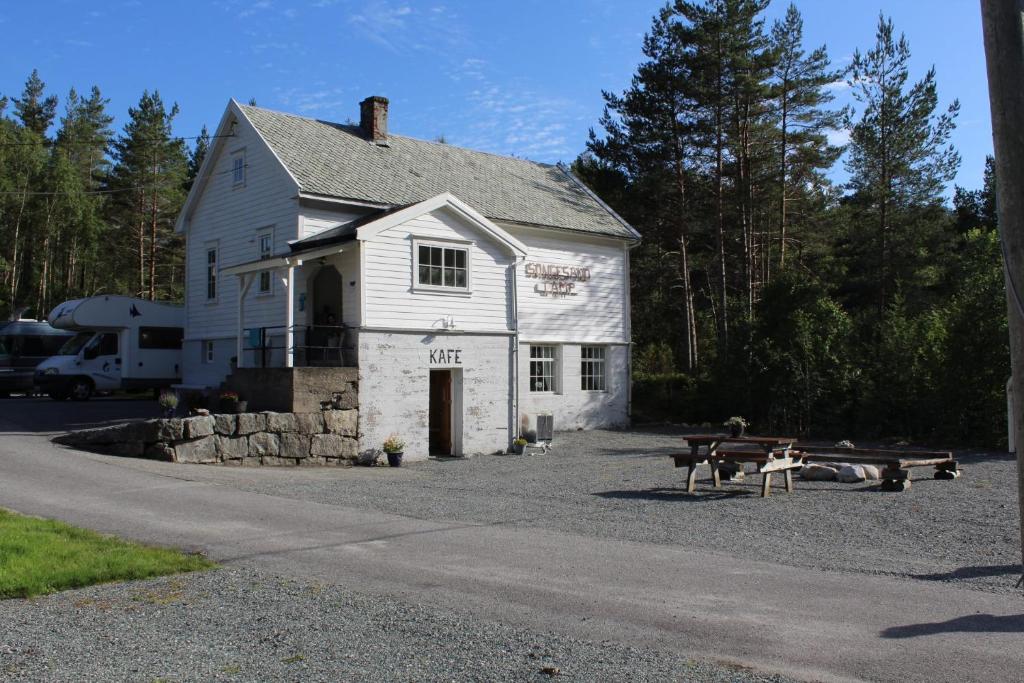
(238, 167)
(442, 266)
(265, 244)
(211, 272)
(592, 368)
(542, 368)
(208, 351)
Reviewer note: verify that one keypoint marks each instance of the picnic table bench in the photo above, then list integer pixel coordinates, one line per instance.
(895, 464)
(770, 454)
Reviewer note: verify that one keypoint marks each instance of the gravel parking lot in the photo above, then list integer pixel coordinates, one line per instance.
(623, 485)
(240, 624)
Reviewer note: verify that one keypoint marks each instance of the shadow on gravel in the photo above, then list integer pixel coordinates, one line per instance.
(970, 573)
(672, 494)
(975, 623)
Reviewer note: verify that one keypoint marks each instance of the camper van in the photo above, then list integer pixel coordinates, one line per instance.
(23, 345)
(121, 343)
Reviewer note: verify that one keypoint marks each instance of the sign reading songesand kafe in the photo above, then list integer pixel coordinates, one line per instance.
(556, 280)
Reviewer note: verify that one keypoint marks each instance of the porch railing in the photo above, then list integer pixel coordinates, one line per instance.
(312, 346)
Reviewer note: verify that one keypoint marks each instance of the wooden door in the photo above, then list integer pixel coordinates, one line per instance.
(440, 412)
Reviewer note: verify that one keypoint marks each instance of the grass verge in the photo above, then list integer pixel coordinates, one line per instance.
(39, 556)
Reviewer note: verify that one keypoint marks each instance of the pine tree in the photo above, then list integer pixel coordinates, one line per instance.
(148, 182)
(196, 157)
(900, 160)
(34, 109)
(801, 92)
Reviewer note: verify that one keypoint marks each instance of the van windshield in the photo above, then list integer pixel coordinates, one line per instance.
(74, 345)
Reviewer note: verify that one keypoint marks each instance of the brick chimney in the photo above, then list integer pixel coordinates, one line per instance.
(373, 118)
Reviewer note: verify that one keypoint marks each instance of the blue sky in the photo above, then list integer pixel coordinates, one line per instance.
(520, 77)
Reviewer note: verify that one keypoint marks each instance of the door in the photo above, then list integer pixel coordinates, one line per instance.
(101, 362)
(440, 412)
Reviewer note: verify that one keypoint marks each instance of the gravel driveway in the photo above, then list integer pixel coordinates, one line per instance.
(240, 624)
(620, 484)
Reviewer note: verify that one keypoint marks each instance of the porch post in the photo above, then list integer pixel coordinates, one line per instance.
(289, 333)
(244, 280)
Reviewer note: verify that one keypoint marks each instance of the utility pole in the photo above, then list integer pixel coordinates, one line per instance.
(1003, 26)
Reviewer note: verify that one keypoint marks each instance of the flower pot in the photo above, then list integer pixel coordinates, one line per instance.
(242, 407)
(395, 459)
(736, 430)
(518, 449)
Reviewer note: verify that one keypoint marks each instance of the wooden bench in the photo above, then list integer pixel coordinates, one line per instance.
(895, 464)
(767, 464)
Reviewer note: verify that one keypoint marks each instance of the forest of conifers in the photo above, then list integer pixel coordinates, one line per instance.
(763, 288)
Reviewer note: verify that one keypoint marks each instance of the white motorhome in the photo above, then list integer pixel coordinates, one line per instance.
(121, 343)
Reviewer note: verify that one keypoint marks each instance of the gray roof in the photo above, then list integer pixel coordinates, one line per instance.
(335, 160)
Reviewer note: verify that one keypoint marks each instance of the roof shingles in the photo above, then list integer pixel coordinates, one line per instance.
(334, 160)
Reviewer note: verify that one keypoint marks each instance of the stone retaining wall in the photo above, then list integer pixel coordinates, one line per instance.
(328, 437)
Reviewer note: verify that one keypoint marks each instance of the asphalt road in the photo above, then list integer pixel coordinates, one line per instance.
(801, 622)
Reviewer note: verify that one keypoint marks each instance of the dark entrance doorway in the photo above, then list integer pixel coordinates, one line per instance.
(440, 412)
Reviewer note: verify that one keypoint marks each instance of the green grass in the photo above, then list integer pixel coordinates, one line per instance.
(39, 556)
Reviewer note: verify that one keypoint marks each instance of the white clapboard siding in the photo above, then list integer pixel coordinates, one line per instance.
(232, 216)
(596, 313)
(388, 279)
(315, 220)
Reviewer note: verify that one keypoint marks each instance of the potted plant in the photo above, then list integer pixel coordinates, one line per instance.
(168, 403)
(229, 402)
(736, 425)
(519, 445)
(394, 446)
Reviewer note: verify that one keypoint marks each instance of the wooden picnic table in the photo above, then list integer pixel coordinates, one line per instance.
(772, 454)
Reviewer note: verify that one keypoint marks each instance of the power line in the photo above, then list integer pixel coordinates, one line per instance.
(48, 142)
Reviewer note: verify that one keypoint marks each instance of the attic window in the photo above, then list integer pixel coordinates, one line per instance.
(238, 167)
(442, 266)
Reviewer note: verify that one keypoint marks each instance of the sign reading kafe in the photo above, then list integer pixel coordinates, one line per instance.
(446, 356)
(556, 280)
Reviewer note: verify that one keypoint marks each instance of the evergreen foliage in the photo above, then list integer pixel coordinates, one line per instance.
(761, 288)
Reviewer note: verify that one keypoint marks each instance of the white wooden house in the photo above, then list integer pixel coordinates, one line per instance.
(474, 292)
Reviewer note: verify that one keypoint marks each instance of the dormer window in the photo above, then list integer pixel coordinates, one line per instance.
(442, 266)
(238, 167)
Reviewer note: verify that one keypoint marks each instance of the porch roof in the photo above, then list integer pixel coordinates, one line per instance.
(296, 258)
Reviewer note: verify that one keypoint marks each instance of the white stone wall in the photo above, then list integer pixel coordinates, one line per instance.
(572, 407)
(394, 389)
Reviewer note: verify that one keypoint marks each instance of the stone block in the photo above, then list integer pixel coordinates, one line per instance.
(274, 461)
(313, 462)
(202, 450)
(225, 425)
(343, 422)
(293, 445)
(309, 423)
(281, 423)
(250, 462)
(172, 429)
(262, 444)
(160, 451)
(813, 472)
(851, 474)
(198, 427)
(327, 445)
(250, 423)
(231, 447)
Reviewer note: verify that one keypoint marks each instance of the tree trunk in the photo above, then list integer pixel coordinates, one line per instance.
(1004, 50)
(783, 171)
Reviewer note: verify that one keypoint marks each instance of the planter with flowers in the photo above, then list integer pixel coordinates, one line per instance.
(519, 445)
(168, 403)
(736, 425)
(394, 447)
(231, 404)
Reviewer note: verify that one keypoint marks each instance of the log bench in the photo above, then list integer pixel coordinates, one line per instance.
(895, 464)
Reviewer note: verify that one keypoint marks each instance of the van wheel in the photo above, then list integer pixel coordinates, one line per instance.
(81, 389)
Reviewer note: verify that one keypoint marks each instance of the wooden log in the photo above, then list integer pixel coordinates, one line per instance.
(789, 480)
(716, 476)
(766, 484)
(691, 478)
